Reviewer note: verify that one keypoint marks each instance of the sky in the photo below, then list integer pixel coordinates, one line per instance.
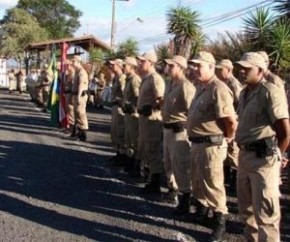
(145, 20)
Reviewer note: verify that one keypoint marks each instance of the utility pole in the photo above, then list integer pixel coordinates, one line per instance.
(113, 26)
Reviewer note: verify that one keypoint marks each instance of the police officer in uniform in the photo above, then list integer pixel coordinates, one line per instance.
(262, 135)
(177, 100)
(80, 97)
(150, 121)
(131, 94)
(224, 71)
(69, 108)
(46, 77)
(117, 121)
(211, 125)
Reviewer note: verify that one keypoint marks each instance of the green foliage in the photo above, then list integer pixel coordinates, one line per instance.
(183, 24)
(127, 48)
(282, 7)
(96, 55)
(257, 28)
(279, 43)
(198, 42)
(164, 51)
(229, 46)
(58, 17)
(19, 30)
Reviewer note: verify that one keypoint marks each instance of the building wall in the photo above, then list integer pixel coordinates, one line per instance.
(3, 73)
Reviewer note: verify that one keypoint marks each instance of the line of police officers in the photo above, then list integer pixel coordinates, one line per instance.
(207, 122)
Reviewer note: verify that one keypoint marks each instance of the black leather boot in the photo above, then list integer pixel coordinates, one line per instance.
(130, 162)
(201, 214)
(171, 196)
(183, 205)
(73, 131)
(82, 135)
(219, 229)
(154, 185)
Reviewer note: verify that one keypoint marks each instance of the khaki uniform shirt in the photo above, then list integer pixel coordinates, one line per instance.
(118, 87)
(236, 88)
(81, 82)
(258, 111)
(45, 77)
(131, 91)
(177, 100)
(152, 87)
(211, 103)
(276, 80)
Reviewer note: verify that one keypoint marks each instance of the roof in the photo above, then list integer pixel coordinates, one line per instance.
(86, 42)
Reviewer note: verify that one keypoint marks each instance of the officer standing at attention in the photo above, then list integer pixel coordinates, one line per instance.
(211, 125)
(69, 108)
(117, 119)
(177, 100)
(80, 97)
(46, 78)
(131, 94)
(262, 135)
(150, 120)
(224, 71)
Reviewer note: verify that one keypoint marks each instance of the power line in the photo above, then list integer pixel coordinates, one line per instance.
(215, 20)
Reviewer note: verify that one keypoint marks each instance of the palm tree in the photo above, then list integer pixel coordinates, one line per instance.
(280, 43)
(198, 42)
(183, 24)
(257, 28)
(128, 48)
(283, 7)
(164, 51)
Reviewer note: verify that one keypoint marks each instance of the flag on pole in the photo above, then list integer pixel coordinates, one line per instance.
(53, 104)
(63, 120)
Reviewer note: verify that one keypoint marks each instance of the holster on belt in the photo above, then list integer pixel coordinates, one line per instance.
(262, 148)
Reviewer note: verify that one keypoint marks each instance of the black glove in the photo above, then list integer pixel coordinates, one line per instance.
(178, 127)
(147, 110)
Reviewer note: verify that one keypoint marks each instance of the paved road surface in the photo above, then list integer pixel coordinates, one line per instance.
(53, 188)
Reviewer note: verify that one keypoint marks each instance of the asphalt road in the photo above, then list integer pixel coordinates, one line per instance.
(53, 188)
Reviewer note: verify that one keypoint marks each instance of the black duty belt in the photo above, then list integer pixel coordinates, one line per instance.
(201, 139)
(257, 145)
(212, 139)
(173, 125)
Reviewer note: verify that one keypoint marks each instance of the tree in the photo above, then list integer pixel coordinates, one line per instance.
(19, 30)
(127, 48)
(96, 58)
(183, 24)
(58, 17)
(283, 7)
(279, 44)
(229, 46)
(257, 28)
(198, 42)
(164, 51)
